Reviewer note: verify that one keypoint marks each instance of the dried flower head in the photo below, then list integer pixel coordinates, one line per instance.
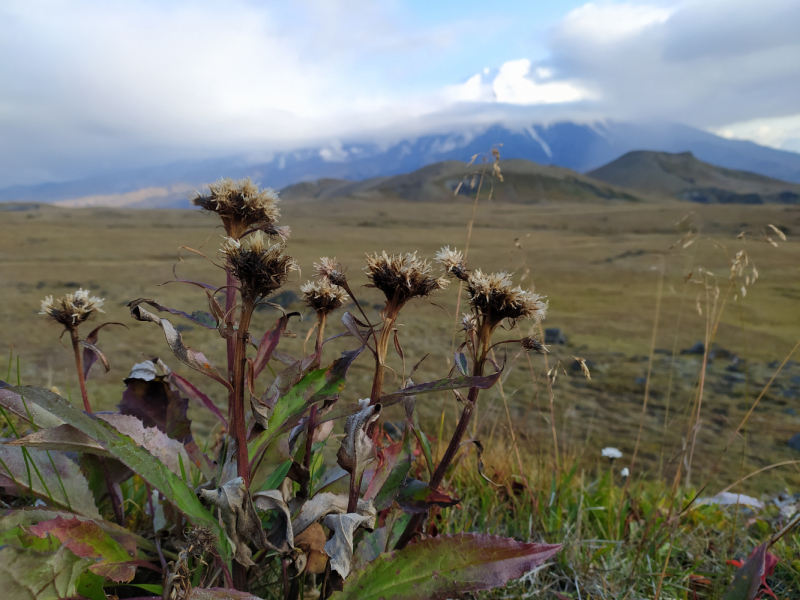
(610, 453)
(469, 322)
(402, 277)
(242, 205)
(532, 344)
(72, 309)
(452, 262)
(493, 295)
(200, 540)
(329, 269)
(260, 268)
(323, 296)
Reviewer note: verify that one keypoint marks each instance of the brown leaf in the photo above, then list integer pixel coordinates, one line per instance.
(235, 508)
(312, 542)
(325, 504)
(91, 352)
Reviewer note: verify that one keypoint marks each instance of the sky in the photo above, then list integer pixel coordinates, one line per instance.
(87, 86)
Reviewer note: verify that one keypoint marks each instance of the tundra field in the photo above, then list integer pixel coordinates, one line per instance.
(599, 264)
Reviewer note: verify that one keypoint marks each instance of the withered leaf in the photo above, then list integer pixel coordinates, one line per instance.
(280, 536)
(91, 353)
(312, 541)
(235, 508)
(325, 504)
(340, 546)
(358, 448)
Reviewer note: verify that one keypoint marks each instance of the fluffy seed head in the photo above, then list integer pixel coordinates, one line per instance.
(242, 205)
(328, 268)
(532, 344)
(452, 262)
(260, 268)
(72, 309)
(493, 295)
(402, 277)
(323, 296)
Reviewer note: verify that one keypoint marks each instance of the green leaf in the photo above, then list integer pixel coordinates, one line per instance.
(30, 575)
(87, 540)
(391, 475)
(144, 464)
(443, 566)
(50, 475)
(149, 587)
(90, 585)
(417, 496)
(277, 476)
(749, 578)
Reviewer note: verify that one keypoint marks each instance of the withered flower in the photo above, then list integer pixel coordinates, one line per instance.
(493, 295)
(453, 263)
(532, 344)
(402, 277)
(242, 206)
(328, 268)
(323, 296)
(72, 309)
(469, 322)
(260, 268)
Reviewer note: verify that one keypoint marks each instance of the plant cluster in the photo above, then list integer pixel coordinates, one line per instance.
(257, 509)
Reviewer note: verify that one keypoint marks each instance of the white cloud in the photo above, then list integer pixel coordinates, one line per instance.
(781, 132)
(513, 86)
(608, 23)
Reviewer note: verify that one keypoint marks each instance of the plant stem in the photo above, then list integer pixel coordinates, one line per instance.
(380, 358)
(116, 501)
(238, 425)
(485, 334)
(73, 333)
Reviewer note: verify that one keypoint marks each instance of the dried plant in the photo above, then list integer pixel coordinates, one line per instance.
(242, 206)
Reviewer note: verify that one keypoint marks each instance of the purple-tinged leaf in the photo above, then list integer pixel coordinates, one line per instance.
(198, 317)
(195, 360)
(284, 357)
(28, 412)
(87, 540)
(219, 594)
(91, 353)
(269, 342)
(443, 567)
(191, 391)
(751, 575)
(481, 382)
(391, 474)
(26, 575)
(416, 496)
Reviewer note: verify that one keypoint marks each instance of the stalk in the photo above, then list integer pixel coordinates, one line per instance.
(116, 503)
(236, 408)
(484, 336)
(380, 357)
(230, 302)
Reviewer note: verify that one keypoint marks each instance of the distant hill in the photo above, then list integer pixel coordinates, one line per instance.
(523, 182)
(685, 177)
(577, 146)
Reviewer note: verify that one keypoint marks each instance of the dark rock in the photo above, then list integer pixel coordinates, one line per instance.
(734, 377)
(640, 381)
(698, 348)
(796, 379)
(553, 335)
(790, 411)
(664, 351)
(790, 394)
(794, 442)
(721, 353)
(737, 366)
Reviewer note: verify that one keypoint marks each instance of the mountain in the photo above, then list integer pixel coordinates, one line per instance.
(685, 177)
(581, 147)
(523, 182)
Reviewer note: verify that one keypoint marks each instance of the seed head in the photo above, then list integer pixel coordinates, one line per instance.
(469, 322)
(532, 344)
(242, 206)
(328, 268)
(72, 309)
(323, 296)
(260, 268)
(402, 277)
(493, 295)
(452, 262)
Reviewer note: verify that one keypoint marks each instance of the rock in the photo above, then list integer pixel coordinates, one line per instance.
(640, 381)
(738, 365)
(734, 377)
(790, 394)
(727, 499)
(553, 335)
(796, 379)
(790, 411)
(698, 348)
(794, 442)
(664, 351)
(722, 353)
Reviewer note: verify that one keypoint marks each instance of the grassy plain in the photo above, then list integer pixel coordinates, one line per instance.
(600, 265)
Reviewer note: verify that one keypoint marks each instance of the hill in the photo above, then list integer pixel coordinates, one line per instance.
(523, 182)
(572, 145)
(685, 177)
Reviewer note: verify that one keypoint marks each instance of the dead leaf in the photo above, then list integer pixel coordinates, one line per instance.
(340, 546)
(281, 536)
(312, 541)
(237, 513)
(325, 504)
(358, 448)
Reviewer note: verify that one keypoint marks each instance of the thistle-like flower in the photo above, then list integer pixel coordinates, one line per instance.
(72, 309)
(260, 268)
(532, 344)
(242, 206)
(323, 296)
(469, 322)
(328, 268)
(493, 295)
(452, 262)
(402, 277)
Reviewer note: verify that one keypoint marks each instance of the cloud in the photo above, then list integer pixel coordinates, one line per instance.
(781, 132)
